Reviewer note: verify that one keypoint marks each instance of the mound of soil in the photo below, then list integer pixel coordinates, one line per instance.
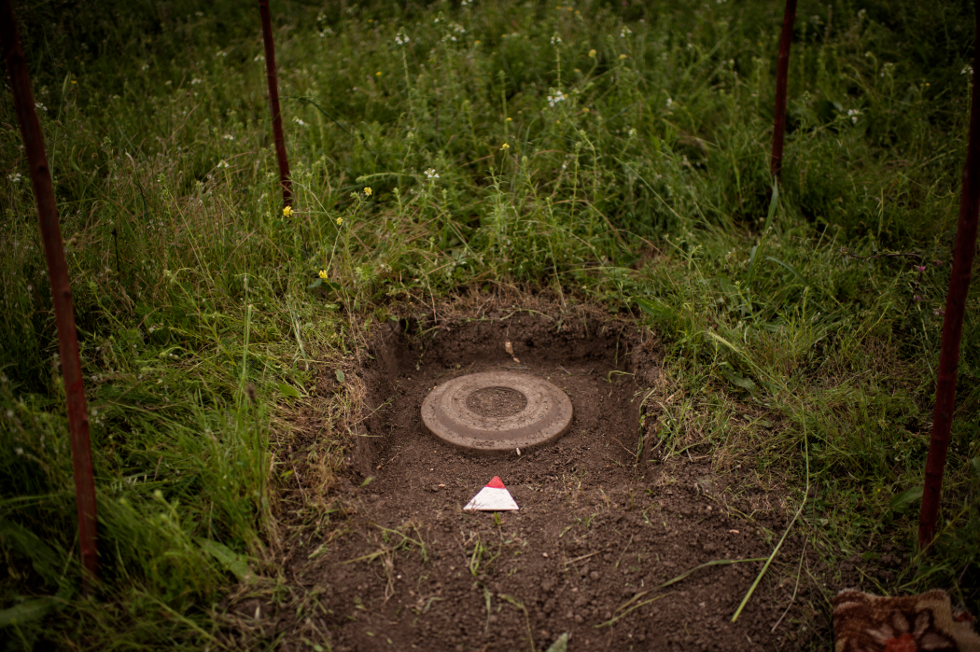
(617, 551)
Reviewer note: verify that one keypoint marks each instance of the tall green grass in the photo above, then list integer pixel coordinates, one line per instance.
(616, 153)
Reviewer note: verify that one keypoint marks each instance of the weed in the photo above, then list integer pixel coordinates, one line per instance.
(519, 604)
(391, 542)
(481, 556)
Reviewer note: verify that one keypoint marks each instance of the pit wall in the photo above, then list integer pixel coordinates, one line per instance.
(616, 350)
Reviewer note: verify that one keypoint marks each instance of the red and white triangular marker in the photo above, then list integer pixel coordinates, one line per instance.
(492, 498)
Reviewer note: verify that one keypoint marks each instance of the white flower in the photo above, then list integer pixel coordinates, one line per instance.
(401, 38)
(556, 40)
(670, 104)
(221, 53)
(195, 81)
(38, 105)
(624, 32)
(853, 115)
(556, 98)
(299, 122)
(455, 28)
(259, 57)
(967, 70)
(15, 178)
(228, 137)
(222, 164)
(431, 174)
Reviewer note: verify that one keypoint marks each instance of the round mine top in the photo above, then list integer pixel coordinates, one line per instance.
(497, 411)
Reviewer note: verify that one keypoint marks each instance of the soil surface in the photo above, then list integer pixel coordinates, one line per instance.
(496, 401)
(612, 546)
(600, 531)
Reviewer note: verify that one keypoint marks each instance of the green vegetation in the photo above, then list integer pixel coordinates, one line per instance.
(616, 153)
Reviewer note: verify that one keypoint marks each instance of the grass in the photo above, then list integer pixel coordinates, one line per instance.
(616, 154)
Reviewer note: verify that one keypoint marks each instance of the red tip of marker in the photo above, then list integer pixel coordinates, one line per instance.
(496, 483)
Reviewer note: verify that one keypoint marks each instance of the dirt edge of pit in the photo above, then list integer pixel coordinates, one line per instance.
(359, 406)
(400, 345)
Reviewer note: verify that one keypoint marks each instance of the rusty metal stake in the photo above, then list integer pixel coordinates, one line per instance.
(782, 72)
(959, 284)
(270, 71)
(47, 210)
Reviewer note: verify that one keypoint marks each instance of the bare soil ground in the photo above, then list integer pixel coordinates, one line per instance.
(604, 522)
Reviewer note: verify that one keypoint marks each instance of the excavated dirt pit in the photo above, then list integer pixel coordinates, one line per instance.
(597, 534)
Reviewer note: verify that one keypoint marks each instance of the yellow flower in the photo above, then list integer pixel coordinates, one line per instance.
(508, 120)
(367, 191)
(505, 146)
(622, 56)
(287, 211)
(323, 274)
(340, 221)
(592, 53)
(377, 74)
(476, 42)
